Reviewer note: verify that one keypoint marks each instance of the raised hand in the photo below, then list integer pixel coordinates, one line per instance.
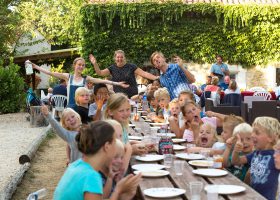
(127, 186)
(231, 141)
(239, 145)
(99, 100)
(92, 59)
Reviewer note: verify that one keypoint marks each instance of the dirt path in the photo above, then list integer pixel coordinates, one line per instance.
(47, 167)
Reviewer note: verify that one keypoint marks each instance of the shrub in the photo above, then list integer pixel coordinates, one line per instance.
(12, 88)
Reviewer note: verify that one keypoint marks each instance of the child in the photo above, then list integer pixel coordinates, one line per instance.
(174, 108)
(191, 113)
(243, 132)
(70, 125)
(263, 174)
(82, 101)
(277, 155)
(153, 103)
(163, 98)
(113, 174)
(101, 95)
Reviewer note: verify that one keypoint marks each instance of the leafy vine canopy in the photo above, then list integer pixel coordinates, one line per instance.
(244, 34)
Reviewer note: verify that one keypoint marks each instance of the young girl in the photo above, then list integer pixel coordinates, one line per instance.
(77, 79)
(82, 100)
(81, 180)
(70, 125)
(242, 131)
(163, 98)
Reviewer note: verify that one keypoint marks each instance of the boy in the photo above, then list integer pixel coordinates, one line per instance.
(101, 94)
(82, 101)
(163, 98)
(264, 175)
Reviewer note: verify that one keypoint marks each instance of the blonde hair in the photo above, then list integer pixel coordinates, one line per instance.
(231, 121)
(270, 124)
(173, 102)
(213, 131)
(187, 103)
(120, 52)
(215, 80)
(77, 59)
(242, 128)
(65, 113)
(155, 54)
(80, 91)
(120, 147)
(161, 92)
(232, 85)
(113, 123)
(113, 103)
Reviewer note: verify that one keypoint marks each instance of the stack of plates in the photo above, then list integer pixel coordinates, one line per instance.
(147, 167)
(164, 192)
(190, 156)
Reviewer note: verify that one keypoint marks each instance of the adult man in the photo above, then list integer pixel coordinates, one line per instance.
(225, 84)
(219, 69)
(175, 77)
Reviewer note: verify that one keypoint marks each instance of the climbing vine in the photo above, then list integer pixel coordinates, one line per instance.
(243, 34)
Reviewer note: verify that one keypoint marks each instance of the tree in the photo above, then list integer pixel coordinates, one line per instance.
(57, 20)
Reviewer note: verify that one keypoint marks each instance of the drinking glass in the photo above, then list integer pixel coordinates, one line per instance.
(168, 160)
(178, 167)
(196, 188)
(212, 192)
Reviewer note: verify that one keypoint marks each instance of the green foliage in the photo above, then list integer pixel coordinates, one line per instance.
(243, 34)
(12, 89)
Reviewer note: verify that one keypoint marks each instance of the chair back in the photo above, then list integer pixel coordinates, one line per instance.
(203, 97)
(263, 108)
(59, 102)
(256, 89)
(264, 94)
(232, 99)
(250, 99)
(43, 95)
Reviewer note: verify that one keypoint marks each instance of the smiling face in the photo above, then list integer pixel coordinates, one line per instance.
(120, 59)
(261, 139)
(206, 136)
(246, 139)
(103, 93)
(163, 101)
(71, 121)
(122, 113)
(79, 66)
(158, 61)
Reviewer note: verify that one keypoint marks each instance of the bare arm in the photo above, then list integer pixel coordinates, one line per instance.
(188, 74)
(236, 159)
(144, 74)
(59, 75)
(98, 80)
(220, 117)
(104, 72)
(174, 126)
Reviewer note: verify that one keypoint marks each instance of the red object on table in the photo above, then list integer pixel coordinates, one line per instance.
(250, 93)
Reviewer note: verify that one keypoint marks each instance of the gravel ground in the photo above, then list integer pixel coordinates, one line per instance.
(16, 136)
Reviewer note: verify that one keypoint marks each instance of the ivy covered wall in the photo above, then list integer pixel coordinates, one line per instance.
(244, 34)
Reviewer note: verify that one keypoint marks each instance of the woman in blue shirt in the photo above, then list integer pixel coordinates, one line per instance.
(81, 180)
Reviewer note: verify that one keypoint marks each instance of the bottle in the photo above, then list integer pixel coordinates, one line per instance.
(165, 145)
(38, 194)
(28, 67)
(145, 104)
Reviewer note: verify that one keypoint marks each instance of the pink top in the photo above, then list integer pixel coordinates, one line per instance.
(212, 88)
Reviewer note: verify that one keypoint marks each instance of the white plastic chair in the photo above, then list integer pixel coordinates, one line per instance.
(43, 95)
(264, 94)
(257, 89)
(59, 101)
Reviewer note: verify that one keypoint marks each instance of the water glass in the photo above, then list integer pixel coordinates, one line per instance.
(154, 130)
(205, 153)
(168, 160)
(196, 188)
(137, 130)
(178, 167)
(189, 145)
(212, 192)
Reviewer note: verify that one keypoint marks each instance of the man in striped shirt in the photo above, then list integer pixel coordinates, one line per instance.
(174, 76)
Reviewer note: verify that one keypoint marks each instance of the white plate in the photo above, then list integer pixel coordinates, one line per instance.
(190, 156)
(147, 167)
(131, 125)
(158, 124)
(201, 163)
(178, 140)
(166, 134)
(149, 157)
(164, 192)
(132, 137)
(177, 147)
(153, 173)
(210, 172)
(147, 120)
(226, 189)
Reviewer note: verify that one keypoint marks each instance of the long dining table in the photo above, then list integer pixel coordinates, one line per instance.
(174, 181)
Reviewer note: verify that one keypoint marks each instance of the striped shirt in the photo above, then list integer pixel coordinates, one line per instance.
(175, 80)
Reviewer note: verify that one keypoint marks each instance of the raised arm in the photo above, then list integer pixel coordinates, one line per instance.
(59, 75)
(144, 74)
(188, 74)
(236, 158)
(104, 72)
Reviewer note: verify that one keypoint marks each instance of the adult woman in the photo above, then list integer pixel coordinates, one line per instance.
(122, 71)
(81, 180)
(76, 80)
(232, 88)
(214, 85)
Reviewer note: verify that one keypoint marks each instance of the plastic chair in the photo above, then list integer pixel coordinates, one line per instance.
(58, 101)
(264, 94)
(257, 89)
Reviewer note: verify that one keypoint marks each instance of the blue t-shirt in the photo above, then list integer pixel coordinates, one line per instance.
(79, 178)
(264, 175)
(175, 80)
(217, 69)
